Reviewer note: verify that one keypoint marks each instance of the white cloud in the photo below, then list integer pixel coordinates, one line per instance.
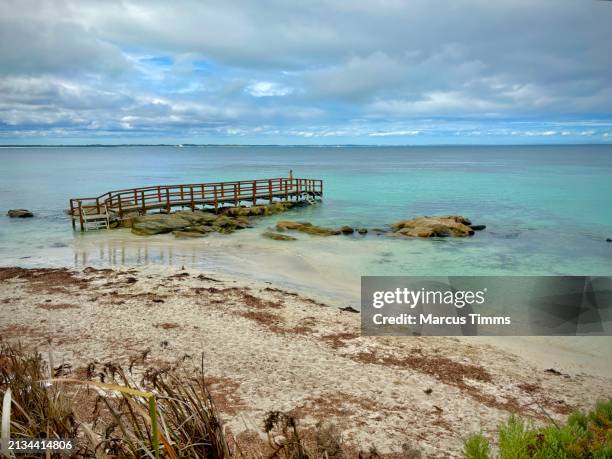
(267, 89)
(393, 133)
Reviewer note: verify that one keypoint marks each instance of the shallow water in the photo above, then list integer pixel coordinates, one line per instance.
(548, 210)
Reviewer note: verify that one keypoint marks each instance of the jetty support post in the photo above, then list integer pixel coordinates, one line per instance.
(81, 216)
(72, 214)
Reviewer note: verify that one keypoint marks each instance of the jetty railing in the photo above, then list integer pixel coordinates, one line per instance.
(119, 203)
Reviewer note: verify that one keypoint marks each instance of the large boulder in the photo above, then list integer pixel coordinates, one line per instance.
(196, 217)
(443, 226)
(148, 225)
(19, 213)
(307, 228)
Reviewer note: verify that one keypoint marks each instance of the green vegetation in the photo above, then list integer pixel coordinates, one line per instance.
(141, 412)
(585, 435)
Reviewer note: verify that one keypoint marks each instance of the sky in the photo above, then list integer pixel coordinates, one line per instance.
(318, 72)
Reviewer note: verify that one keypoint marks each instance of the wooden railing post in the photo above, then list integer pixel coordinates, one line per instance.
(158, 194)
(182, 194)
(286, 190)
(120, 207)
(235, 195)
(168, 200)
(97, 205)
(270, 190)
(192, 201)
(254, 192)
(216, 202)
(143, 204)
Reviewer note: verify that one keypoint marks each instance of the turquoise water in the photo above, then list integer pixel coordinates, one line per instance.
(548, 210)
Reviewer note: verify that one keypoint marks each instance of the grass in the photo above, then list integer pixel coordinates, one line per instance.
(165, 414)
(584, 435)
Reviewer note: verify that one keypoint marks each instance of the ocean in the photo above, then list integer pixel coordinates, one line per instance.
(548, 210)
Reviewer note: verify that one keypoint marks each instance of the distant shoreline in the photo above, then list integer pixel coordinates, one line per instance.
(347, 145)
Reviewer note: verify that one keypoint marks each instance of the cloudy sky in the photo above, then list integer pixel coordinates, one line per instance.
(306, 72)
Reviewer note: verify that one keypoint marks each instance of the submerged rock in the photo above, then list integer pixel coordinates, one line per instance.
(19, 213)
(609, 240)
(478, 227)
(307, 228)
(278, 236)
(347, 230)
(362, 230)
(188, 234)
(444, 226)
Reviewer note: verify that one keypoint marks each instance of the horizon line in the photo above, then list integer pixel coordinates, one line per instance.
(183, 145)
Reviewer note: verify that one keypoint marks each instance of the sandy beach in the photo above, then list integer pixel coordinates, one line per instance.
(267, 348)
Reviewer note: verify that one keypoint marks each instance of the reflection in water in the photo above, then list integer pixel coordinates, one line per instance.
(119, 253)
(298, 266)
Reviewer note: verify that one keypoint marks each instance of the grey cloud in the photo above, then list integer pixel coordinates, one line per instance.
(278, 62)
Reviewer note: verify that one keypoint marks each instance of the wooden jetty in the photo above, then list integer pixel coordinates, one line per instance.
(94, 213)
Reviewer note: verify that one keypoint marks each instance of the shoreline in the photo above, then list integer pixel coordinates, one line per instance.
(270, 348)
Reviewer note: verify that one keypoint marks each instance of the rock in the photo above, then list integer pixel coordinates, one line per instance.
(290, 225)
(277, 207)
(186, 221)
(158, 224)
(19, 213)
(237, 211)
(444, 226)
(242, 222)
(278, 236)
(362, 230)
(347, 230)
(204, 229)
(478, 227)
(307, 228)
(349, 309)
(609, 240)
(188, 234)
(224, 221)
